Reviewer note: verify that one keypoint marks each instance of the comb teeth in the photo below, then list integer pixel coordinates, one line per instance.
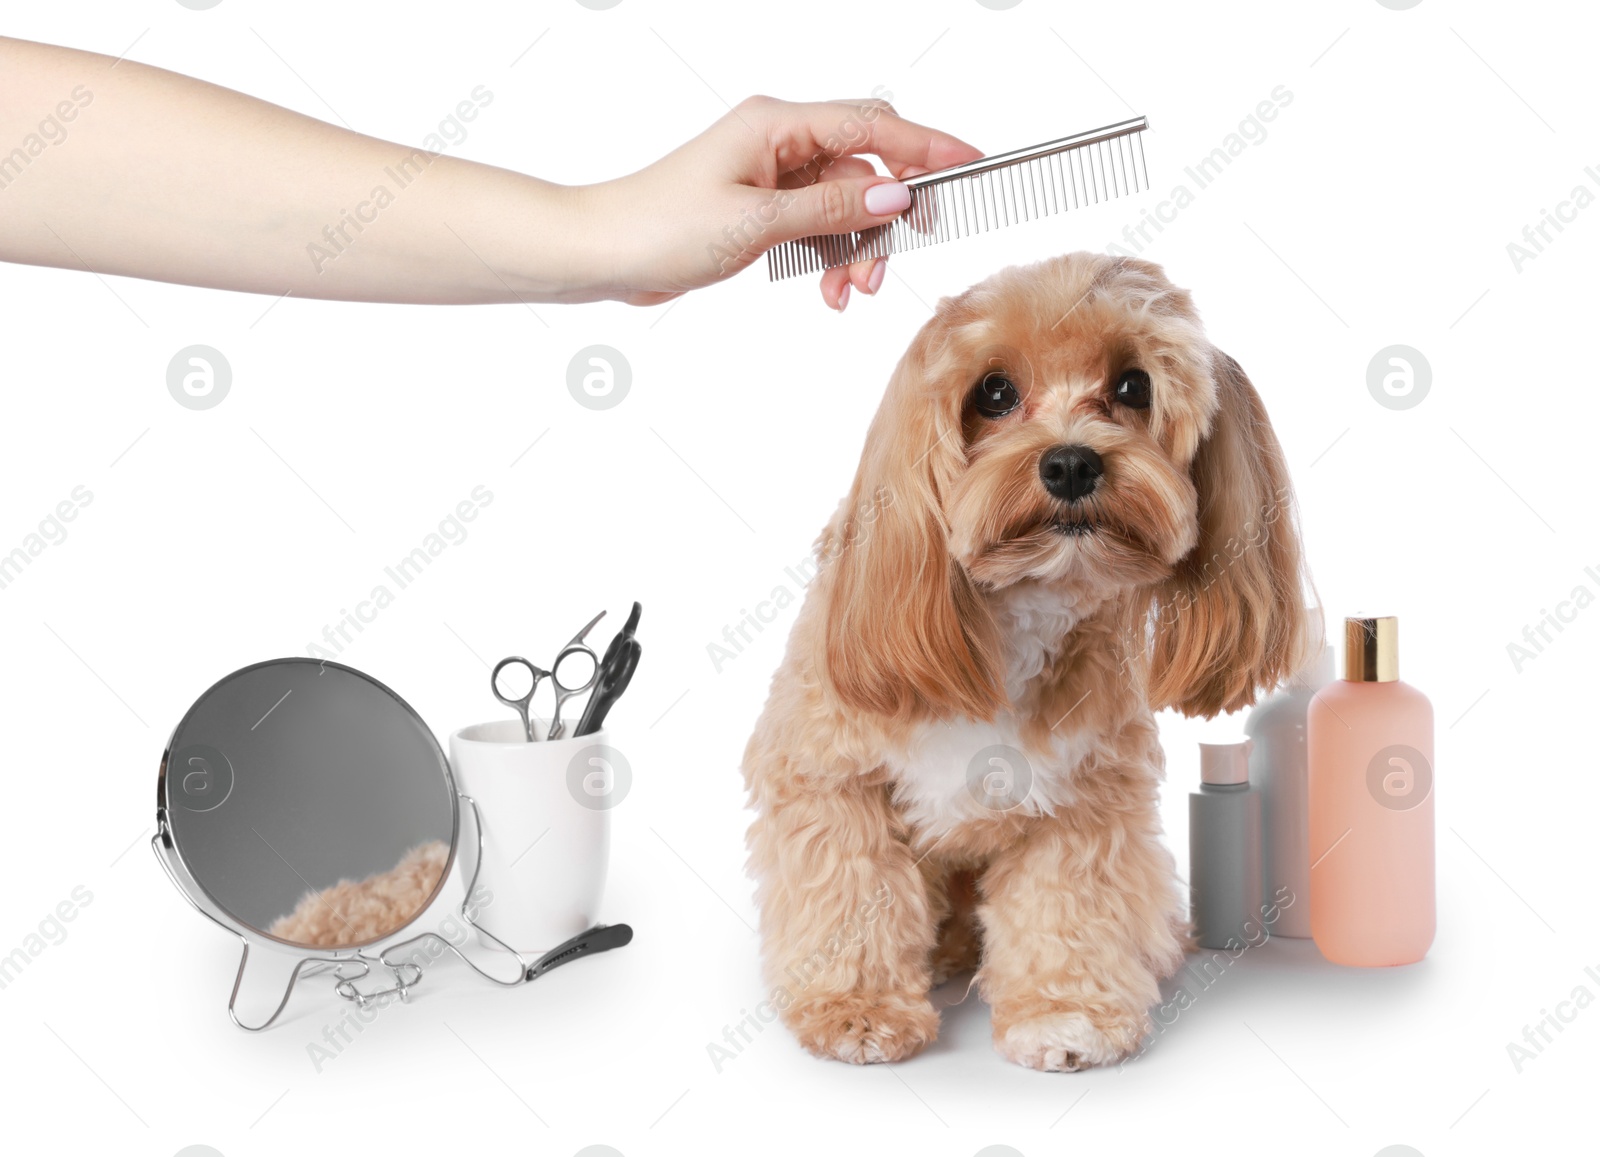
(986, 194)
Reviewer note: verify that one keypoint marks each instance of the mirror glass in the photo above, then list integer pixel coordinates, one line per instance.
(310, 804)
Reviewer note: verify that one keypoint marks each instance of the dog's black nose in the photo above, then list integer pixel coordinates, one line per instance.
(1070, 472)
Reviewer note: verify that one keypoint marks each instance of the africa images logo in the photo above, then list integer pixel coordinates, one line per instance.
(1400, 777)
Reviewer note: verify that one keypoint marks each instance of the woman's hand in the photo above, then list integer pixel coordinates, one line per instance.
(170, 178)
(769, 171)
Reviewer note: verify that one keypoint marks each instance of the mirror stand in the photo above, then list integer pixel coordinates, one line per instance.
(407, 974)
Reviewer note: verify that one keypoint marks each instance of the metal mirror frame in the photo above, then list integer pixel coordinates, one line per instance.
(355, 962)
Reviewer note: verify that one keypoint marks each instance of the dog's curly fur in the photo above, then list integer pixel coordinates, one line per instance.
(354, 912)
(963, 614)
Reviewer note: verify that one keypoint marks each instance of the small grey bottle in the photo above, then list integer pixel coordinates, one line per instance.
(1225, 866)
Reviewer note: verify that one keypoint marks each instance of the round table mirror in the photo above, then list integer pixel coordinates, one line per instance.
(309, 804)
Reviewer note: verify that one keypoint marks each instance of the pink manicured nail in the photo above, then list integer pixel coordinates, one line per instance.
(875, 278)
(844, 297)
(887, 199)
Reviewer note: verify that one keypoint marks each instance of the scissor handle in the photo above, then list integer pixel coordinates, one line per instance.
(534, 674)
(566, 689)
(520, 705)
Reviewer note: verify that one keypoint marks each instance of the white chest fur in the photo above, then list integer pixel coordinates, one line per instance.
(952, 773)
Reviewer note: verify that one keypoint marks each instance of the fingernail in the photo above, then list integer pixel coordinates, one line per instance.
(875, 278)
(844, 297)
(887, 199)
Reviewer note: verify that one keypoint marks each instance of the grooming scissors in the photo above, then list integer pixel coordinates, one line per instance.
(563, 691)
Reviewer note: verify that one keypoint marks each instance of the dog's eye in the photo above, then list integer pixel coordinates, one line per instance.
(1133, 389)
(996, 396)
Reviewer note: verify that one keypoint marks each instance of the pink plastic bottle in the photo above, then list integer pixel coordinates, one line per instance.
(1369, 744)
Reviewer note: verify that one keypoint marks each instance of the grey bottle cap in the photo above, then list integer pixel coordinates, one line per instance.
(1225, 764)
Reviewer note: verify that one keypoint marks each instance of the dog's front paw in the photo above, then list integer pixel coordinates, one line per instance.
(864, 1028)
(1064, 1039)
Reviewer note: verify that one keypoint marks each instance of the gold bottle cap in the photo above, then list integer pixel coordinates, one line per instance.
(1371, 649)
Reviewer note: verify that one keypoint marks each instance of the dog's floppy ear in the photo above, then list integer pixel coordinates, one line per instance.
(906, 632)
(1232, 617)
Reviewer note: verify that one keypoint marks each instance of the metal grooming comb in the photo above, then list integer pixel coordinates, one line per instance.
(985, 194)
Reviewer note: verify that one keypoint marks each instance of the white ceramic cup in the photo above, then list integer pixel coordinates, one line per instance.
(546, 829)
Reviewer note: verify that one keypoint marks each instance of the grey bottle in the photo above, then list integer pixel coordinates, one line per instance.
(1278, 765)
(1225, 865)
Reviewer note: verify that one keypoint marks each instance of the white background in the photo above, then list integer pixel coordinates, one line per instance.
(1377, 211)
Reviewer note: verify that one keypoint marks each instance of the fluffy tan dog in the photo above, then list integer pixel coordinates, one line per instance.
(1070, 512)
(355, 912)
